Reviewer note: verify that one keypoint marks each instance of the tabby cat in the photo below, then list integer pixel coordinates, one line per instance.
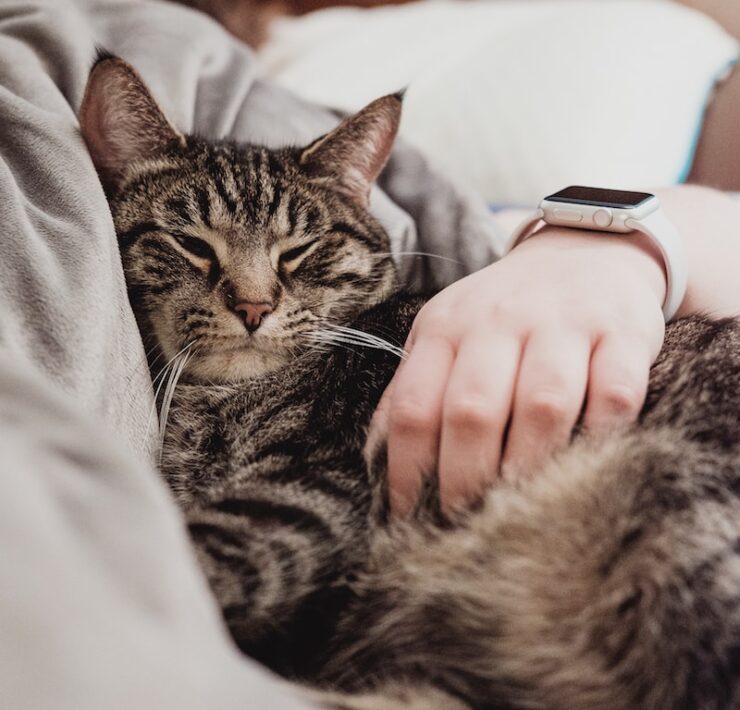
(612, 579)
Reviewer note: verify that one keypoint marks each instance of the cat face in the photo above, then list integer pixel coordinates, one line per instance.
(236, 254)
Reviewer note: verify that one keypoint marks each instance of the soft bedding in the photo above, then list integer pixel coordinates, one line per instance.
(518, 99)
(101, 604)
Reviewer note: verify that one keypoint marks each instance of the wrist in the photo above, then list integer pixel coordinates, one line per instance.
(635, 252)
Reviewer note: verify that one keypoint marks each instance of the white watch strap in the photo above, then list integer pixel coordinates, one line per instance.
(661, 233)
(665, 236)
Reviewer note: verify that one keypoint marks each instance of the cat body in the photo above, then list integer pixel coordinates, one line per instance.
(271, 475)
(610, 579)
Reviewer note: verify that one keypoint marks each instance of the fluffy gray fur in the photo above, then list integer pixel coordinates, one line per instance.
(611, 579)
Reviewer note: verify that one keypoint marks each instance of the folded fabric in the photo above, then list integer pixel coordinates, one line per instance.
(102, 604)
(519, 98)
(62, 293)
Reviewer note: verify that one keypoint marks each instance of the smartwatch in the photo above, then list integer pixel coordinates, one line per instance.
(616, 212)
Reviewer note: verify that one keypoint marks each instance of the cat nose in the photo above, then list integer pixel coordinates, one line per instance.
(253, 313)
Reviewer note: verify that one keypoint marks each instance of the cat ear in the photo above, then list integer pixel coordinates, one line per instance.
(120, 120)
(353, 154)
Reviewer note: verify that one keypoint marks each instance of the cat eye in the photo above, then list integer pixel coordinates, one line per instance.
(296, 252)
(197, 247)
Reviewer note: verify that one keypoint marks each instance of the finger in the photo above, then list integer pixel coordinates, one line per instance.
(549, 397)
(476, 408)
(414, 418)
(378, 429)
(618, 382)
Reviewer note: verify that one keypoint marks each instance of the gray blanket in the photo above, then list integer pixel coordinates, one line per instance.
(101, 603)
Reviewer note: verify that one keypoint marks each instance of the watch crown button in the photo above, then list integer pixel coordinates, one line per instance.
(602, 218)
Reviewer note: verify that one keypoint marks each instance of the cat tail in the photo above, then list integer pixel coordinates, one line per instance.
(610, 580)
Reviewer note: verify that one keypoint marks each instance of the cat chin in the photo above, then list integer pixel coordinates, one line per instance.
(233, 365)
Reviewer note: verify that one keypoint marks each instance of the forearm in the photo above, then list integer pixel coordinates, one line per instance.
(709, 223)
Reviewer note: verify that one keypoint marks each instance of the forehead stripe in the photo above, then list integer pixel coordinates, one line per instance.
(204, 205)
(312, 217)
(226, 198)
(181, 207)
(276, 167)
(216, 171)
(247, 185)
(257, 161)
(277, 193)
(293, 213)
(255, 179)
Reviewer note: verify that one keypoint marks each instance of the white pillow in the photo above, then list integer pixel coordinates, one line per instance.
(521, 97)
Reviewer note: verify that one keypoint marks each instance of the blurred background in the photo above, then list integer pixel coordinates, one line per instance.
(516, 98)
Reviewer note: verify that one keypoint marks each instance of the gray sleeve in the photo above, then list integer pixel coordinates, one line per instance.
(101, 602)
(63, 304)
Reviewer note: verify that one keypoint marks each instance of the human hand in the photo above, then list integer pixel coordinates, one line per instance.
(502, 362)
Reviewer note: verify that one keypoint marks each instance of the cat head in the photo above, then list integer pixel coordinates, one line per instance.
(235, 253)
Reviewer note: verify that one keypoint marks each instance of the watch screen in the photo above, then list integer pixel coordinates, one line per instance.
(599, 197)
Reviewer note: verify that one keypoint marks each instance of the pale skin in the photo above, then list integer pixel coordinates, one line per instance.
(503, 362)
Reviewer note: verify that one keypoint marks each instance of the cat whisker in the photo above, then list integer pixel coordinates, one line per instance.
(134, 370)
(325, 345)
(345, 299)
(153, 410)
(385, 255)
(150, 351)
(342, 335)
(172, 360)
(175, 374)
(383, 332)
(371, 338)
(160, 379)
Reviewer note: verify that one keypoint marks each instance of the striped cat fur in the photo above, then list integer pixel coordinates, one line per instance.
(612, 579)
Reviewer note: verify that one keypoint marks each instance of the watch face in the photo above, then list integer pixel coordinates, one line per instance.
(620, 199)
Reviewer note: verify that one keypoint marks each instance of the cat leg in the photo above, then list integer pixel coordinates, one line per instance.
(276, 563)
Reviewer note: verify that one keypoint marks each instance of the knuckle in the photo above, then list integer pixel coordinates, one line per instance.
(547, 409)
(433, 319)
(508, 312)
(383, 406)
(640, 331)
(643, 334)
(436, 323)
(378, 422)
(471, 415)
(622, 400)
(410, 418)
